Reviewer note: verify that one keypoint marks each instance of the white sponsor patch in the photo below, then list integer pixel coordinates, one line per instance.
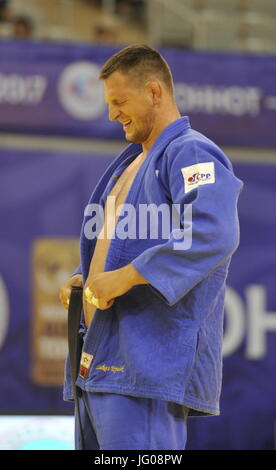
(85, 363)
(198, 174)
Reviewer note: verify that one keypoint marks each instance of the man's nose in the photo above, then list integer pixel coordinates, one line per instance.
(113, 112)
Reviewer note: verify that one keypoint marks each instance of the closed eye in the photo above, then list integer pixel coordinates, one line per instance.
(116, 102)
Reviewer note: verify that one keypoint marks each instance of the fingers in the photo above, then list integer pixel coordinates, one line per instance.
(92, 299)
(110, 303)
(103, 304)
(76, 280)
(65, 290)
(89, 296)
(64, 303)
(64, 296)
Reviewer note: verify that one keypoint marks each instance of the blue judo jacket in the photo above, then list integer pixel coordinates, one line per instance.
(164, 339)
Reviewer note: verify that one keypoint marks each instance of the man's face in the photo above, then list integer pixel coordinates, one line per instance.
(131, 105)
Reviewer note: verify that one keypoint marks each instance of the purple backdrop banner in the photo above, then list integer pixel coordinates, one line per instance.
(53, 89)
(43, 195)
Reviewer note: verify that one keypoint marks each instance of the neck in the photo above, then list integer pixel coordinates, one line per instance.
(167, 118)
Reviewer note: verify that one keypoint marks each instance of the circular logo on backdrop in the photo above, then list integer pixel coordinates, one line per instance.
(81, 92)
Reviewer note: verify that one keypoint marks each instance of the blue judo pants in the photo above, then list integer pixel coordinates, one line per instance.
(119, 422)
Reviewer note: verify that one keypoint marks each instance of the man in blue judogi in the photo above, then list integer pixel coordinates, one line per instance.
(152, 323)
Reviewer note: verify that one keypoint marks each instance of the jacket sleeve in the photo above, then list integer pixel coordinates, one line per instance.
(203, 186)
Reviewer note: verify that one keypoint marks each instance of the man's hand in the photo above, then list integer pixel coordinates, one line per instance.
(106, 286)
(65, 289)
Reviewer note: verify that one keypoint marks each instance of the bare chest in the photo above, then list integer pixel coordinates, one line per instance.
(124, 182)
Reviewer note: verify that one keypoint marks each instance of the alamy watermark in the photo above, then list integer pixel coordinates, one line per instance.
(147, 221)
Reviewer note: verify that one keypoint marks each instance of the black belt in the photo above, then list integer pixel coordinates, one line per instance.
(75, 346)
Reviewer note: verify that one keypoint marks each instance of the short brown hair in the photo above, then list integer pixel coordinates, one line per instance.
(140, 60)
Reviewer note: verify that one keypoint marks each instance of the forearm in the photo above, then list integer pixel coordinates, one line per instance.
(129, 275)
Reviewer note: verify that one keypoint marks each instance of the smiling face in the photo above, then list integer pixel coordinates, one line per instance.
(130, 103)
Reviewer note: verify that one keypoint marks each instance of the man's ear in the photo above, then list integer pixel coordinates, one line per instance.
(155, 90)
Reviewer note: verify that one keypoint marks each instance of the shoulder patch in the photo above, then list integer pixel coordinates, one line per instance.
(197, 175)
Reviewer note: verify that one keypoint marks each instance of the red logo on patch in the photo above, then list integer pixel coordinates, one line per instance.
(83, 372)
